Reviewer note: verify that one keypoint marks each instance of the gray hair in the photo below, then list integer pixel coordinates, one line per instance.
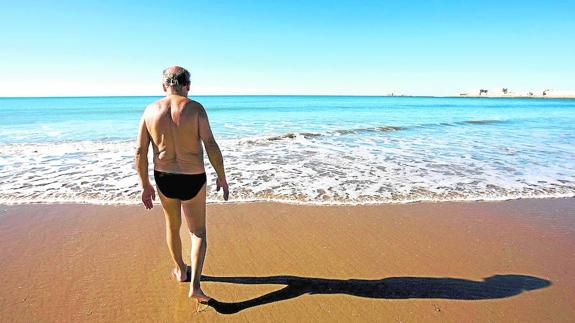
(176, 76)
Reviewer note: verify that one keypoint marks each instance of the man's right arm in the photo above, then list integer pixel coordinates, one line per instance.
(141, 158)
(213, 150)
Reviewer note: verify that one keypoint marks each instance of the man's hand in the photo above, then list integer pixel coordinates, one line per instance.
(224, 185)
(148, 195)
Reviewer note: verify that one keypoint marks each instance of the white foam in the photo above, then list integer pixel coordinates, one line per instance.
(300, 169)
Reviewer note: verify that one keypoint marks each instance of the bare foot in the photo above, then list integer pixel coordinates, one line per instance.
(199, 295)
(180, 275)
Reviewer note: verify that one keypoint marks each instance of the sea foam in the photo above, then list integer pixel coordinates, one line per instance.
(318, 150)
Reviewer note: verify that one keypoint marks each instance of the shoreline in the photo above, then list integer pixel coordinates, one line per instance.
(437, 262)
(284, 202)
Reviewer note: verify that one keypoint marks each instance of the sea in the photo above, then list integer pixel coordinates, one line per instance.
(301, 149)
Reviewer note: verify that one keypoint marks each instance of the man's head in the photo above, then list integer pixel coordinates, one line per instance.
(176, 80)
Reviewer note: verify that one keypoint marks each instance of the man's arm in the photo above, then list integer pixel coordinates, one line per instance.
(141, 159)
(213, 150)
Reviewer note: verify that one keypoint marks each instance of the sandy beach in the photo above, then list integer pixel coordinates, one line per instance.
(506, 261)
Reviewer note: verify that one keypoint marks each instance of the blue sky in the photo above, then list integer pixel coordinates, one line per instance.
(286, 47)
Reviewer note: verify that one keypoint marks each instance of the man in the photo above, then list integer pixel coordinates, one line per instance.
(175, 125)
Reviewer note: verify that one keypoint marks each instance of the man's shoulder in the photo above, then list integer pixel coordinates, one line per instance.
(156, 104)
(194, 104)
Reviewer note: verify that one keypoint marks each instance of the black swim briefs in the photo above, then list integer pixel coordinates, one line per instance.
(179, 186)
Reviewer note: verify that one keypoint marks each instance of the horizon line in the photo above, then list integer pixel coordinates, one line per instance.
(289, 95)
(208, 95)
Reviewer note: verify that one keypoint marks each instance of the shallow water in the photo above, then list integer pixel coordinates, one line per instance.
(309, 149)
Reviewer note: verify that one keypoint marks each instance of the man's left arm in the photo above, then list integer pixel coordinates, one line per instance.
(141, 159)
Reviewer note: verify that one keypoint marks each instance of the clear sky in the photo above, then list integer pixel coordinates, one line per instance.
(53, 48)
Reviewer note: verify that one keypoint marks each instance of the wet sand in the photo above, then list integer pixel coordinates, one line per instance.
(509, 261)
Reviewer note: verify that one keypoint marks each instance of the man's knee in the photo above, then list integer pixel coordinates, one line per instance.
(199, 233)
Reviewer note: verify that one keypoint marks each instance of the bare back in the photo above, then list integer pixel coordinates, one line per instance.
(174, 128)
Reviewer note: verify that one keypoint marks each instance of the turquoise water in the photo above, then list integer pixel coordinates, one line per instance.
(312, 149)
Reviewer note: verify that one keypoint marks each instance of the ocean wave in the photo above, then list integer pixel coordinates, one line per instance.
(368, 129)
(482, 122)
(316, 170)
(310, 135)
(293, 135)
(361, 130)
(38, 136)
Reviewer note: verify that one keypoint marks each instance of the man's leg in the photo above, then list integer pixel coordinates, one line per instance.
(172, 212)
(195, 213)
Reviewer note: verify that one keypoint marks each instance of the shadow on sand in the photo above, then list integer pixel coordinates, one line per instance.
(497, 286)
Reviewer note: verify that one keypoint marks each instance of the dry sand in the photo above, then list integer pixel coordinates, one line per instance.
(507, 261)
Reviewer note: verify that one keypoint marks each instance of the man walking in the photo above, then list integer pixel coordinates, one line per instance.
(176, 126)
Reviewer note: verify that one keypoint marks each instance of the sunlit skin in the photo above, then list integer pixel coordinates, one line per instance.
(176, 127)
